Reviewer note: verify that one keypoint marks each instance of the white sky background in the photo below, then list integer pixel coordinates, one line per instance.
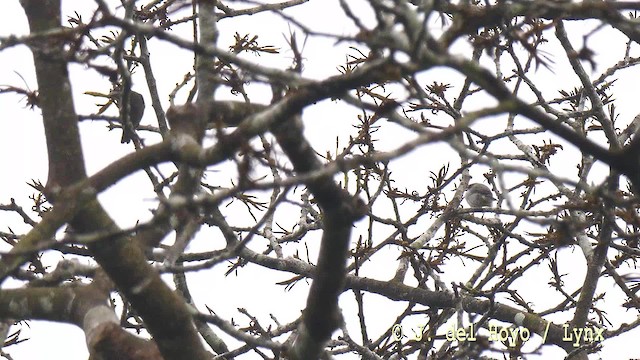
(23, 157)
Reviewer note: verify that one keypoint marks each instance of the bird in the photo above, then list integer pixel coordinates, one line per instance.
(479, 195)
(136, 110)
(185, 120)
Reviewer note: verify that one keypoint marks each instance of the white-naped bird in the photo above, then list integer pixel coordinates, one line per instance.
(136, 110)
(479, 195)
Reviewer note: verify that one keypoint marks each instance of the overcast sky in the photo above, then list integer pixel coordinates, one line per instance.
(24, 153)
